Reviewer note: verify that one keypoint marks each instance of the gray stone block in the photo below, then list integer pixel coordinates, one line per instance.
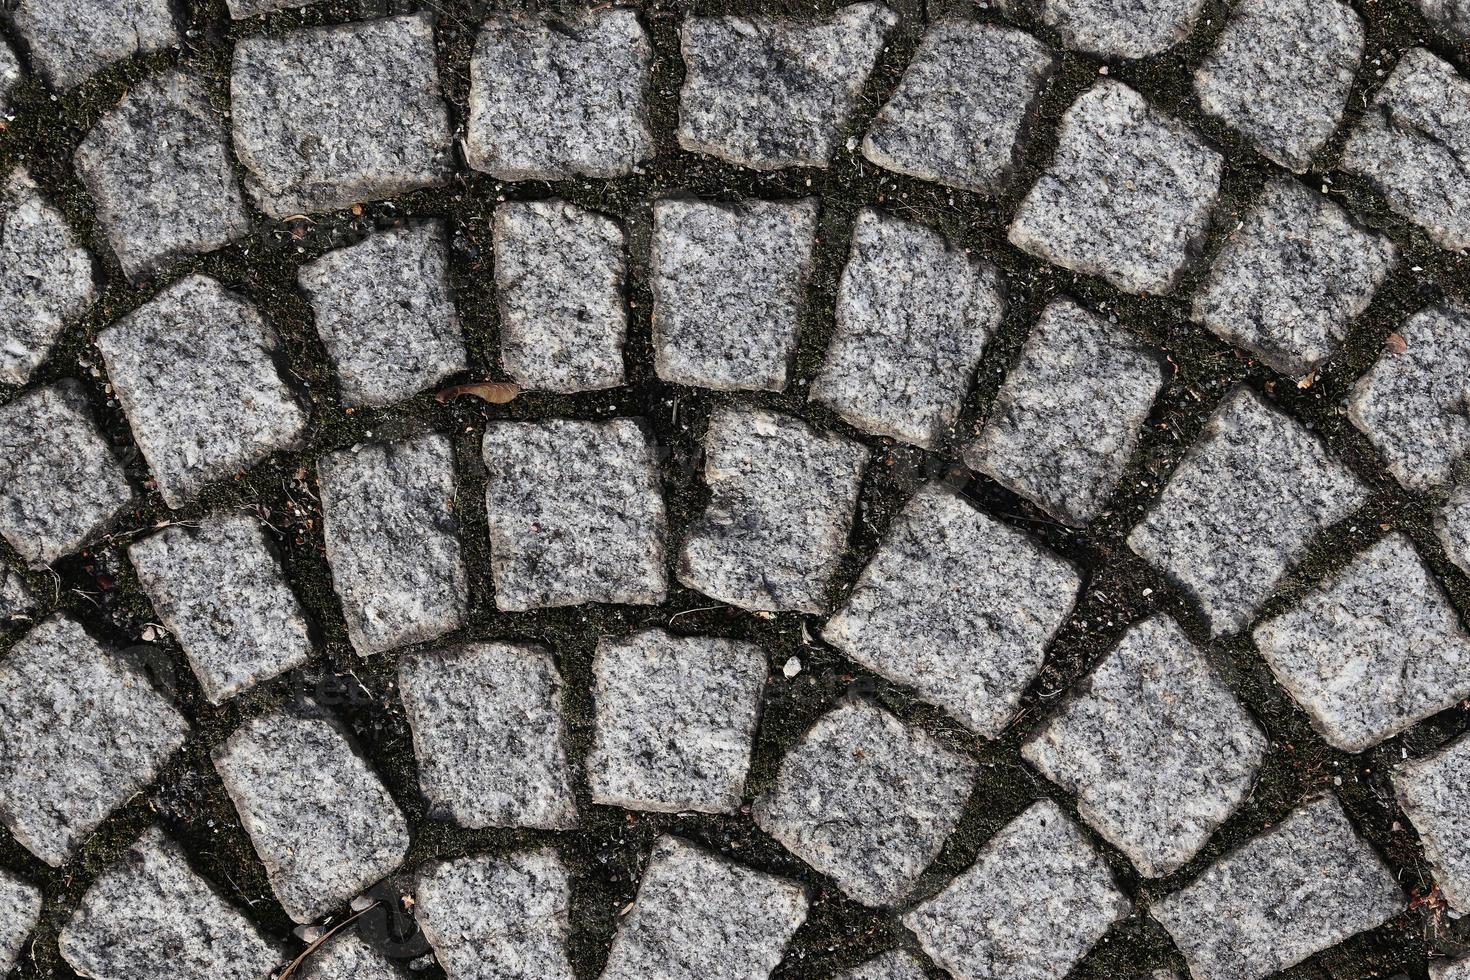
(913, 314)
(1127, 196)
(911, 619)
(1118, 28)
(782, 502)
(196, 371)
(385, 313)
(986, 924)
(729, 287)
(560, 95)
(1452, 526)
(347, 957)
(392, 537)
(16, 601)
(326, 117)
(1242, 508)
(1453, 16)
(72, 40)
(1435, 794)
(896, 965)
(1305, 885)
(81, 732)
(22, 903)
(1446, 969)
(767, 93)
(490, 736)
(10, 77)
(240, 9)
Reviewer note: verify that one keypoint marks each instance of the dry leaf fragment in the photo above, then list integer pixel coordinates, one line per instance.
(494, 392)
(1395, 344)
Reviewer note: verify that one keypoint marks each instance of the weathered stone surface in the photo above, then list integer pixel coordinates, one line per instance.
(59, 479)
(220, 590)
(767, 93)
(1452, 525)
(388, 515)
(1119, 28)
(1305, 885)
(559, 272)
(22, 903)
(326, 117)
(913, 313)
(896, 965)
(1127, 197)
(158, 167)
(1036, 900)
(385, 313)
(498, 918)
(240, 9)
(1446, 969)
(151, 916)
(964, 105)
(867, 800)
(729, 286)
(45, 278)
(676, 718)
(1068, 417)
(1280, 74)
(1292, 278)
(969, 643)
(1412, 145)
(16, 601)
(81, 731)
(195, 370)
(10, 76)
(490, 736)
(1156, 749)
(1453, 16)
(347, 957)
(1242, 508)
(1435, 794)
(324, 826)
(560, 95)
(72, 40)
(782, 502)
(698, 915)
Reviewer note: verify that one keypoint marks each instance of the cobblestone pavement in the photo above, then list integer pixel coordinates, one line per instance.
(735, 489)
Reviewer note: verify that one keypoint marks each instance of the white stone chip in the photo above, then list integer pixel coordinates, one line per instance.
(1305, 885)
(72, 40)
(347, 957)
(913, 314)
(1119, 28)
(896, 965)
(1435, 794)
(22, 904)
(958, 607)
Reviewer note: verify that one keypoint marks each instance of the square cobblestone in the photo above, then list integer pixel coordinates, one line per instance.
(890, 966)
(1156, 749)
(347, 957)
(676, 720)
(1037, 899)
(560, 95)
(1119, 28)
(969, 643)
(1452, 16)
(16, 601)
(81, 732)
(913, 314)
(240, 9)
(10, 76)
(72, 40)
(490, 736)
(327, 117)
(1242, 508)
(1452, 526)
(1127, 196)
(1447, 969)
(729, 287)
(1435, 794)
(195, 369)
(22, 902)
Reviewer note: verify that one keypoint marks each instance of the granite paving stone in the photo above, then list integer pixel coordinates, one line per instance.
(1452, 525)
(10, 77)
(1449, 969)
(1452, 16)
(969, 643)
(896, 965)
(72, 40)
(22, 902)
(16, 600)
(347, 957)
(240, 9)
(1435, 794)
(1118, 28)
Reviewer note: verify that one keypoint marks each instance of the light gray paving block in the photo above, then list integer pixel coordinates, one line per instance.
(896, 965)
(676, 719)
(59, 480)
(1305, 885)
(46, 278)
(700, 916)
(385, 313)
(72, 40)
(1037, 899)
(392, 537)
(1242, 508)
(969, 643)
(323, 824)
(1127, 196)
(559, 277)
(10, 77)
(491, 918)
(913, 314)
(326, 117)
(16, 601)
(158, 167)
(1069, 415)
(1292, 278)
(490, 736)
(1452, 525)
(1448, 969)
(1435, 794)
(220, 590)
(1118, 28)
(729, 287)
(347, 957)
(240, 9)
(560, 95)
(964, 105)
(1452, 16)
(867, 800)
(22, 903)
(81, 732)
(1412, 143)
(195, 369)
(783, 497)
(1280, 73)
(150, 915)
(767, 92)
(1156, 749)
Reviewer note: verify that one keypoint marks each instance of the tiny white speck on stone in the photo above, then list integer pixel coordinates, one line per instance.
(792, 668)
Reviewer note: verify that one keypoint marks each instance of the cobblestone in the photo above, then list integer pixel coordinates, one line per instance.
(72, 40)
(1452, 525)
(348, 957)
(22, 902)
(1119, 28)
(10, 76)
(1446, 969)
(1451, 15)
(240, 9)
(1434, 792)
(889, 966)
(16, 600)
